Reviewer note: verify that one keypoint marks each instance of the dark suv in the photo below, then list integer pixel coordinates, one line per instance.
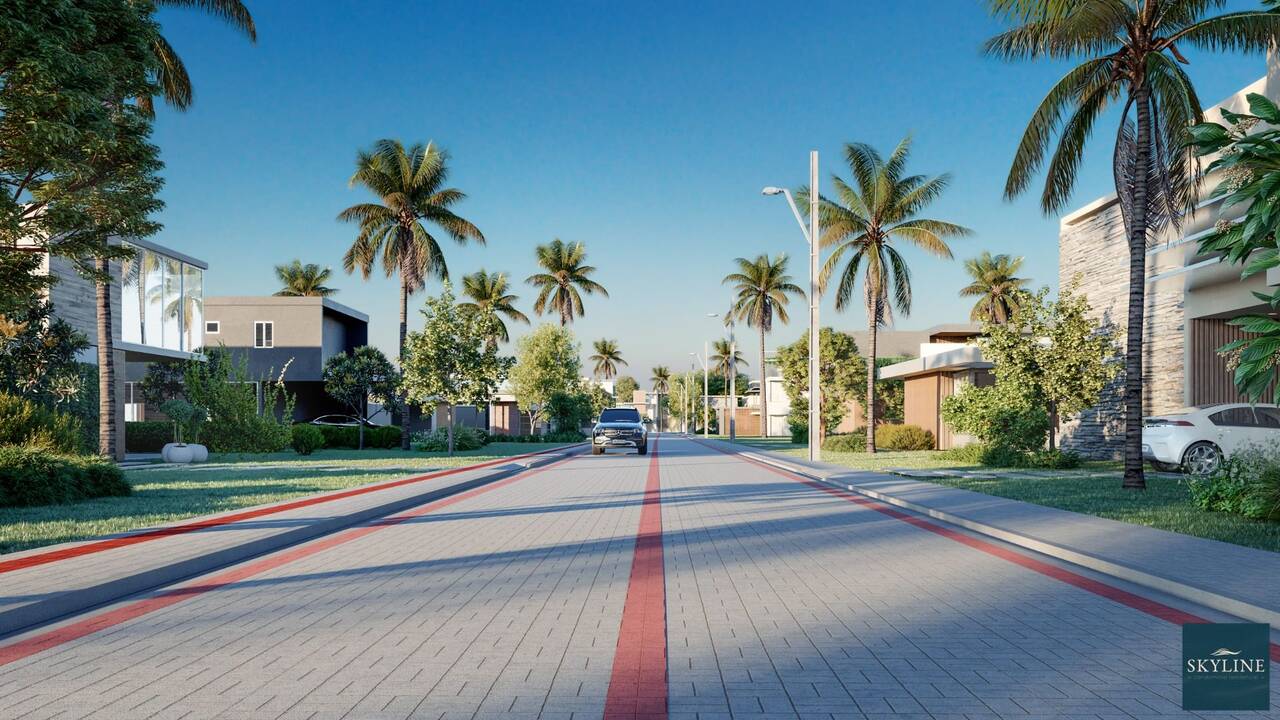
(619, 428)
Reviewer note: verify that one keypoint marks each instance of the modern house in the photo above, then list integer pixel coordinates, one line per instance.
(948, 361)
(291, 334)
(1189, 299)
(157, 301)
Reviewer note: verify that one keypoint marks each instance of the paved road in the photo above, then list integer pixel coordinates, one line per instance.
(558, 594)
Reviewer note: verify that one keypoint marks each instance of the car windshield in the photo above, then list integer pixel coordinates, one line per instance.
(619, 415)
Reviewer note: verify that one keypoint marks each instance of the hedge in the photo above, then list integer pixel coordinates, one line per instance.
(147, 435)
(35, 476)
(903, 437)
(383, 436)
(23, 422)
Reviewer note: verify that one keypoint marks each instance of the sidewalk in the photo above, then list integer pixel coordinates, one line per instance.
(46, 583)
(1241, 581)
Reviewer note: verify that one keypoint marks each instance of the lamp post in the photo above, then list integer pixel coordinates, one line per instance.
(812, 235)
(706, 420)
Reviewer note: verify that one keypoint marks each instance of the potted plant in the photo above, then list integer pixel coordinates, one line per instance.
(179, 412)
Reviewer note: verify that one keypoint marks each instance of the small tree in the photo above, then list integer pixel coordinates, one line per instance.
(163, 382)
(352, 378)
(547, 362)
(623, 388)
(569, 410)
(840, 373)
(600, 399)
(1053, 353)
(451, 360)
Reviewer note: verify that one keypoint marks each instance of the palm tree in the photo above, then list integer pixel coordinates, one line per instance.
(607, 358)
(867, 221)
(1129, 56)
(489, 290)
(1000, 293)
(762, 286)
(175, 84)
(724, 357)
(661, 379)
(410, 187)
(300, 280)
(565, 275)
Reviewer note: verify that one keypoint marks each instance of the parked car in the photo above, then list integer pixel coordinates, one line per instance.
(619, 428)
(1197, 439)
(342, 421)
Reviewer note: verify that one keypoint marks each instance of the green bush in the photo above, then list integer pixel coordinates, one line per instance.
(1051, 459)
(23, 422)
(564, 436)
(464, 438)
(147, 435)
(855, 441)
(798, 423)
(1248, 484)
(36, 476)
(382, 437)
(306, 439)
(223, 387)
(903, 437)
(966, 454)
(998, 416)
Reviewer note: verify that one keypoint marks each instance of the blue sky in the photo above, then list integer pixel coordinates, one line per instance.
(645, 130)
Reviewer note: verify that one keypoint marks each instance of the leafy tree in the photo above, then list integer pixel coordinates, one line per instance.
(1129, 56)
(451, 360)
(600, 399)
(999, 291)
(163, 382)
(685, 399)
(77, 169)
(223, 386)
(624, 387)
(352, 378)
(483, 289)
(840, 374)
(607, 358)
(1004, 416)
(410, 187)
(171, 75)
(300, 280)
(568, 411)
(866, 221)
(891, 393)
(564, 274)
(762, 290)
(546, 363)
(1249, 160)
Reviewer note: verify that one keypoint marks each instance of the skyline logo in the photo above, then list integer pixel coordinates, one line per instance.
(1226, 666)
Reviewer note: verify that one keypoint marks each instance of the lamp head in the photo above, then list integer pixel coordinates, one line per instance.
(771, 190)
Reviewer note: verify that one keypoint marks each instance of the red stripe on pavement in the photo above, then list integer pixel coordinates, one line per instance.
(638, 684)
(76, 630)
(1115, 594)
(109, 544)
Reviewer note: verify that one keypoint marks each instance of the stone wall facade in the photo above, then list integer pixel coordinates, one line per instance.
(1092, 247)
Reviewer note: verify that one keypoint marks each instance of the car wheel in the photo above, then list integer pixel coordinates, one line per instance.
(643, 449)
(1202, 458)
(1166, 467)
(597, 450)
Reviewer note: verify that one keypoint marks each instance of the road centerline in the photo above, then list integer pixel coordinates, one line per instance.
(638, 682)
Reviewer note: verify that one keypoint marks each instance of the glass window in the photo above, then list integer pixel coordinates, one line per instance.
(133, 299)
(262, 334)
(171, 335)
(212, 327)
(1268, 417)
(619, 415)
(1235, 417)
(153, 297)
(192, 307)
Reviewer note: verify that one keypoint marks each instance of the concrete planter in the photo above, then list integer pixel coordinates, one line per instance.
(199, 453)
(175, 453)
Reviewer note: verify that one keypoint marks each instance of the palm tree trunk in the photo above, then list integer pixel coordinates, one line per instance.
(404, 337)
(106, 365)
(869, 412)
(1133, 475)
(764, 392)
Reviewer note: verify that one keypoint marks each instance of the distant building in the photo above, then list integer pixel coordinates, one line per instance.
(948, 361)
(300, 332)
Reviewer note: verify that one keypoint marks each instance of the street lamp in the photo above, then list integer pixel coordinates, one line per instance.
(706, 420)
(812, 234)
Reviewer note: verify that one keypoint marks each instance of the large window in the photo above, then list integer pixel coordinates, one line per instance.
(162, 301)
(192, 307)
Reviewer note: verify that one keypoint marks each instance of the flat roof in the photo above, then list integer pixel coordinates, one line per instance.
(968, 357)
(157, 247)
(286, 300)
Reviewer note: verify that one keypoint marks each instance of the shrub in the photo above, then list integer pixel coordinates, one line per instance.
(23, 422)
(36, 476)
(383, 437)
(998, 416)
(1248, 483)
(564, 436)
(464, 438)
(903, 437)
(146, 435)
(855, 441)
(306, 439)
(1051, 459)
(225, 389)
(798, 423)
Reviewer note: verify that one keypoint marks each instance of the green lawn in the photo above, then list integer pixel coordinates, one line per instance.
(226, 482)
(1166, 504)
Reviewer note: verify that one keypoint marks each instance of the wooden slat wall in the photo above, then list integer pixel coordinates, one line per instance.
(1210, 377)
(944, 436)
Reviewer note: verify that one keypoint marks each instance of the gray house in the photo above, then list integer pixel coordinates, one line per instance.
(300, 332)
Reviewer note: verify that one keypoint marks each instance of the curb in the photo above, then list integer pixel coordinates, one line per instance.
(59, 605)
(1209, 599)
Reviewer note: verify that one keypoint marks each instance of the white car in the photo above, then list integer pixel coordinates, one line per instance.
(1195, 440)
